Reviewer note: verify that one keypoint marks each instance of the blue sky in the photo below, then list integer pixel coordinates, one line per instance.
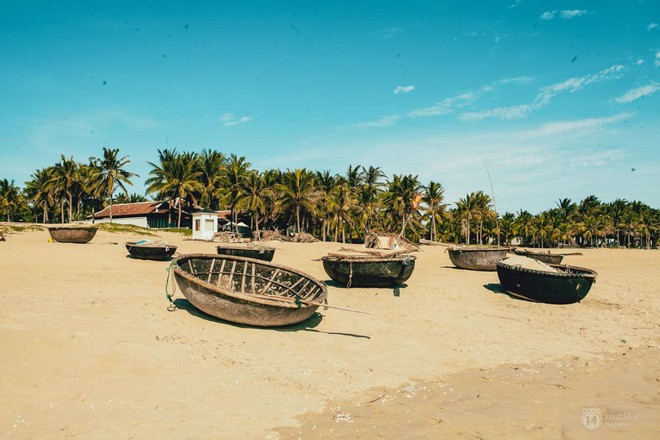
(558, 98)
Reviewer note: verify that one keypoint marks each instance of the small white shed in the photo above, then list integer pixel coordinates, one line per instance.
(204, 225)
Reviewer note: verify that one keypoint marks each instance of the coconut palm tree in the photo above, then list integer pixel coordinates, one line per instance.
(298, 193)
(325, 183)
(253, 196)
(340, 203)
(176, 177)
(400, 200)
(435, 210)
(65, 175)
(9, 197)
(38, 192)
(467, 210)
(237, 170)
(213, 172)
(109, 174)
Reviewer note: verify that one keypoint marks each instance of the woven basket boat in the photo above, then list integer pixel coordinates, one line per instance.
(247, 250)
(72, 234)
(150, 251)
(546, 257)
(248, 291)
(477, 258)
(568, 285)
(369, 271)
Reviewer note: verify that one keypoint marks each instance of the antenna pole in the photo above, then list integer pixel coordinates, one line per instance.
(492, 192)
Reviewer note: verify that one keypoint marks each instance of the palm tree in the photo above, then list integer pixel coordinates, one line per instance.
(325, 182)
(212, 172)
(507, 227)
(401, 198)
(9, 197)
(340, 204)
(110, 174)
(467, 209)
(65, 174)
(237, 169)
(298, 192)
(253, 196)
(38, 192)
(176, 178)
(432, 197)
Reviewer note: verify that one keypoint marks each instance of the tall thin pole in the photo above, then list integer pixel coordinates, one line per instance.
(492, 192)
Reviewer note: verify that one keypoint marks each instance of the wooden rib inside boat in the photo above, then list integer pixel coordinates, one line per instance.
(248, 291)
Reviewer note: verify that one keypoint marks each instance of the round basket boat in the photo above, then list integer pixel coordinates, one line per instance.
(477, 258)
(545, 257)
(247, 250)
(72, 234)
(369, 272)
(568, 285)
(150, 251)
(248, 291)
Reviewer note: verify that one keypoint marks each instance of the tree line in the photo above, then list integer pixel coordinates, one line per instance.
(330, 206)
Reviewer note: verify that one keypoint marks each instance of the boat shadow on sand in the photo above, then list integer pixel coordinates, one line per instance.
(396, 290)
(307, 325)
(498, 289)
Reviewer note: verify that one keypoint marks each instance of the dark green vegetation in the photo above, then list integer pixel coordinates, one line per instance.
(330, 206)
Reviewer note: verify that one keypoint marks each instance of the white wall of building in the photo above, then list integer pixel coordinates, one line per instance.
(137, 221)
(204, 225)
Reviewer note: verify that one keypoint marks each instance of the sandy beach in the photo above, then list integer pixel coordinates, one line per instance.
(89, 350)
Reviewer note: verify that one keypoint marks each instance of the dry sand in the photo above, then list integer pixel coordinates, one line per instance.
(89, 350)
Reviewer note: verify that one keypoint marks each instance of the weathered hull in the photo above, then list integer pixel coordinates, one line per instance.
(369, 272)
(240, 289)
(159, 253)
(264, 253)
(477, 258)
(82, 234)
(546, 258)
(568, 286)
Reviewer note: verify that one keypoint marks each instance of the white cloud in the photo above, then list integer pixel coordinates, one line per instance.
(545, 95)
(385, 121)
(445, 106)
(514, 4)
(403, 89)
(388, 33)
(651, 26)
(230, 120)
(522, 80)
(566, 14)
(657, 59)
(639, 92)
(548, 15)
(561, 127)
(639, 62)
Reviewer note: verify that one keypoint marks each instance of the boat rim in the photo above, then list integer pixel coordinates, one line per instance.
(246, 296)
(587, 273)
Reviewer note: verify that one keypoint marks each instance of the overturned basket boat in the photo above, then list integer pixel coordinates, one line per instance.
(546, 257)
(477, 258)
(72, 234)
(565, 285)
(247, 250)
(248, 291)
(369, 271)
(150, 250)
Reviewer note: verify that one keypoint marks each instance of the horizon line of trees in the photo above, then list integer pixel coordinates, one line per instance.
(330, 206)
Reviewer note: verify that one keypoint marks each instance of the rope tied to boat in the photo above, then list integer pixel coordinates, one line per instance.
(350, 274)
(168, 295)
